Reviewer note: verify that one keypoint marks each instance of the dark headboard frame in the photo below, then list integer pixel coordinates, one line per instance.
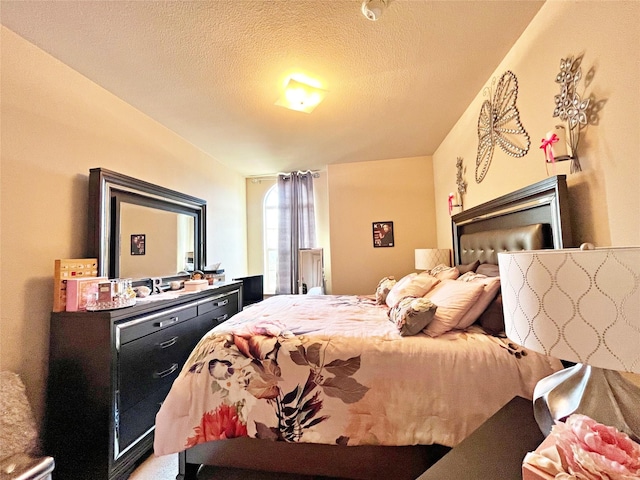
(544, 202)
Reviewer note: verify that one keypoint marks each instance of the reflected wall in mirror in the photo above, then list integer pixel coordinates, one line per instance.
(160, 242)
(140, 230)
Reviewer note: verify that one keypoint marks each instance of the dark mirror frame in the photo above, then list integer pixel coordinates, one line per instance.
(107, 190)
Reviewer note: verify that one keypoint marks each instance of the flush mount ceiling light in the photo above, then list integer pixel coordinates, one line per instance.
(300, 96)
(373, 9)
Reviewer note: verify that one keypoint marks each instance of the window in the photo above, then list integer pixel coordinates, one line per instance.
(270, 209)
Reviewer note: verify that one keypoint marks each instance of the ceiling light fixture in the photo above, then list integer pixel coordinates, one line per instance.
(300, 96)
(373, 9)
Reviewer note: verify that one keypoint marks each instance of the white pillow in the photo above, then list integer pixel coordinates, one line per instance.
(453, 300)
(421, 284)
(395, 294)
(491, 286)
(412, 285)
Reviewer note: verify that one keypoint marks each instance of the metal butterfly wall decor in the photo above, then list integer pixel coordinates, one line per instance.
(499, 124)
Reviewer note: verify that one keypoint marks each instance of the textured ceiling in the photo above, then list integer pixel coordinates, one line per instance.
(212, 70)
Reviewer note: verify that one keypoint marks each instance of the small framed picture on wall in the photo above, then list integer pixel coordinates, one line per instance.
(383, 234)
(138, 244)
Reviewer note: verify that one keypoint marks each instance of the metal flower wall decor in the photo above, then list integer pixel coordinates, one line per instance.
(460, 182)
(499, 124)
(571, 107)
(457, 200)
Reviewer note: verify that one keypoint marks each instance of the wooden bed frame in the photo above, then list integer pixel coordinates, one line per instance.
(543, 203)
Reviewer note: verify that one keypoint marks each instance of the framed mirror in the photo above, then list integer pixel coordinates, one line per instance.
(139, 230)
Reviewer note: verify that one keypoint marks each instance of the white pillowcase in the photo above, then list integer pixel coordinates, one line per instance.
(453, 300)
(412, 285)
(491, 286)
(394, 294)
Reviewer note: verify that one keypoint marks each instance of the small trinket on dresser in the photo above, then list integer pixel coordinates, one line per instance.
(142, 291)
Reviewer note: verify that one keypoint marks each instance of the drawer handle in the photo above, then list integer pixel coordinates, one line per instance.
(221, 303)
(166, 372)
(164, 323)
(222, 318)
(168, 343)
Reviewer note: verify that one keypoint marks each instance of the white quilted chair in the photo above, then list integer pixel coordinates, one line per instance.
(20, 457)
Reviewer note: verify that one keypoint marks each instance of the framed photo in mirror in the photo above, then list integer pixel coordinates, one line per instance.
(138, 244)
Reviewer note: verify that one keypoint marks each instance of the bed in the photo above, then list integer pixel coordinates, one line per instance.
(328, 385)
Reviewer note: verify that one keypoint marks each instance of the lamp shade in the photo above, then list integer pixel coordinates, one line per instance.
(577, 305)
(427, 258)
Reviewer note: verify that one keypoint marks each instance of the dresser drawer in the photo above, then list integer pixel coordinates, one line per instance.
(137, 420)
(153, 361)
(220, 308)
(155, 322)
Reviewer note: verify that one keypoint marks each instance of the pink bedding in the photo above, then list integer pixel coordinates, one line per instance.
(334, 369)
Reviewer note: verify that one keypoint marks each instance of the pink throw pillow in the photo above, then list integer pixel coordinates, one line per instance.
(453, 300)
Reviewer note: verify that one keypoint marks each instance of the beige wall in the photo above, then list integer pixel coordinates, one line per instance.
(56, 125)
(398, 190)
(605, 197)
(321, 199)
(161, 232)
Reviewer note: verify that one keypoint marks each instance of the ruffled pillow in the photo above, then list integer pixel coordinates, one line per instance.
(411, 315)
(384, 287)
(444, 272)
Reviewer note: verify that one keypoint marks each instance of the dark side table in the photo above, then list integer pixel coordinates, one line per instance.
(495, 450)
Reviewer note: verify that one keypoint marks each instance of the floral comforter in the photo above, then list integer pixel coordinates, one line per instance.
(335, 370)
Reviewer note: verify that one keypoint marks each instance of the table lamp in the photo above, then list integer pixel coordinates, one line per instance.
(428, 258)
(580, 306)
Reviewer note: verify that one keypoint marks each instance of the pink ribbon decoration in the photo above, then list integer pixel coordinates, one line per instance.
(450, 203)
(547, 146)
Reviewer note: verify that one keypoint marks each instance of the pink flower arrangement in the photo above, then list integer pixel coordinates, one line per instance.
(589, 450)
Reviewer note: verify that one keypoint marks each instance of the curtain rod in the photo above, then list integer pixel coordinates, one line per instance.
(315, 174)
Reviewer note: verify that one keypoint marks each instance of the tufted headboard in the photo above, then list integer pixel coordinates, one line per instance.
(484, 246)
(532, 218)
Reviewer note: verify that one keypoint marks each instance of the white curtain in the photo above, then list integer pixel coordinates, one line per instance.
(296, 226)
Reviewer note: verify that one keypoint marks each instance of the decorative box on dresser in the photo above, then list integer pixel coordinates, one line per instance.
(109, 372)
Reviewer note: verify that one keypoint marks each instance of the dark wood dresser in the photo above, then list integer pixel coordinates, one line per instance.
(109, 372)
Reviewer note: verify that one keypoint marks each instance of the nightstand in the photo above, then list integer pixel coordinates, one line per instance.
(495, 450)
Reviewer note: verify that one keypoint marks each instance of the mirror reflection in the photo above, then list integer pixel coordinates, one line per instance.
(154, 242)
